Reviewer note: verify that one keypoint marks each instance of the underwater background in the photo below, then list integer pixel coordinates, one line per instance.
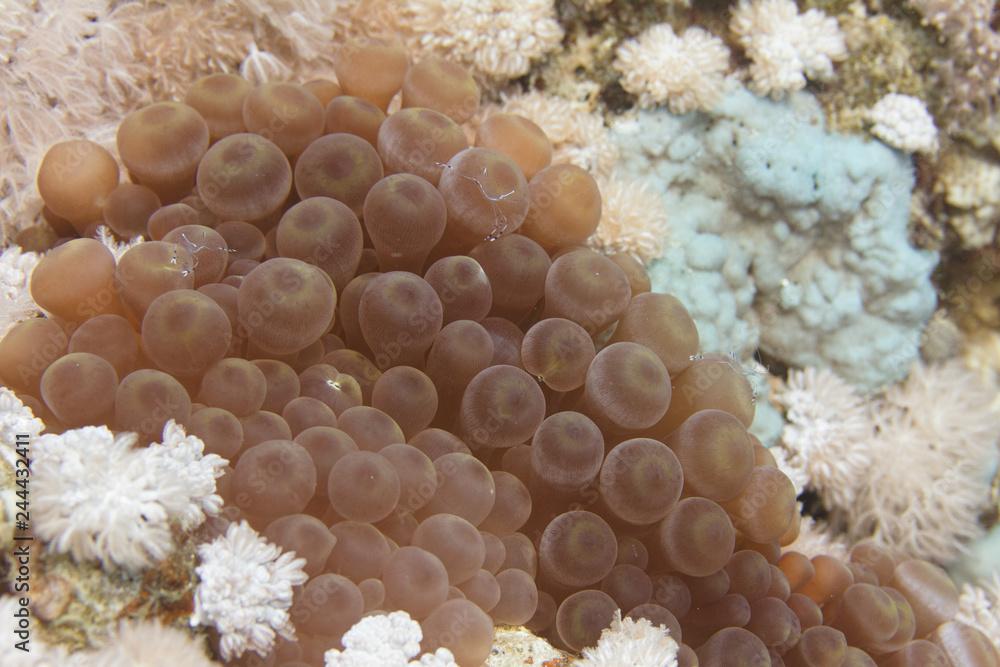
(816, 182)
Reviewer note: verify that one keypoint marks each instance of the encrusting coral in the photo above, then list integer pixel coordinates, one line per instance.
(786, 250)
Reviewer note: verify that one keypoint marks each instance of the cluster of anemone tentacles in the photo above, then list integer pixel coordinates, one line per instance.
(428, 388)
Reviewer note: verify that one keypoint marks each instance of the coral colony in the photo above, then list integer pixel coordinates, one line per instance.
(386, 370)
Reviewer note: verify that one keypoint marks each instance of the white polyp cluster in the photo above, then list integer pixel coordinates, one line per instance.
(98, 497)
(246, 590)
(786, 48)
(903, 122)
(687, 72)
(632, 642)
(386, 640)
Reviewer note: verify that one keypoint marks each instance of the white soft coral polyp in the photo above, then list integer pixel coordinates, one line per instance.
(786, 48)
(686, 72)
(903, 122)
(246, 590)
(386, 640)
(98, 497)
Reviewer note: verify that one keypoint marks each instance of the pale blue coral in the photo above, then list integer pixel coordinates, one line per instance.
(787, 237)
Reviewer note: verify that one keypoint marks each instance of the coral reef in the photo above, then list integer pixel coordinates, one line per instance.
(541, 401)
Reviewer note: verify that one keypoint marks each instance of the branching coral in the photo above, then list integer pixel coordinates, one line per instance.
(785, 47)
(686, 72)
(97, 497)
(246, 590)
